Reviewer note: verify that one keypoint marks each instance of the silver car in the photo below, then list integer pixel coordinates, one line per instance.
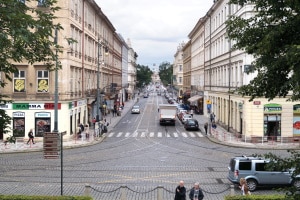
(254, 170)
(135, 109)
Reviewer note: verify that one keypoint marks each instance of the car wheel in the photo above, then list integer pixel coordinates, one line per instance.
(252, 184)
(296, 183)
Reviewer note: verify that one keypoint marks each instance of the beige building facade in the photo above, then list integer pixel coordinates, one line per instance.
(98, 50)
(214, 71)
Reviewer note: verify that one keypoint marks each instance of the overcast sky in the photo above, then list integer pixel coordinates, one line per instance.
(155, 27)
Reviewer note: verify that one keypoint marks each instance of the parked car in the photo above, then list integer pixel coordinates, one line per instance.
(135, 109)
(186, 117)
(146, 95)
(254, 170)
(191, 124)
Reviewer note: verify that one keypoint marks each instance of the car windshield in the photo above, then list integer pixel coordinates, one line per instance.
(192, 122)
(135, 107)
(187, 116)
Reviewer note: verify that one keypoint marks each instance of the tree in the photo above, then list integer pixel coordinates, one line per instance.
(143, 75)
(272, 36)
(26, 34)
(165, 73)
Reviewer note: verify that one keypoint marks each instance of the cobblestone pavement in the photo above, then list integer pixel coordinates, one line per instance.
(137, 166)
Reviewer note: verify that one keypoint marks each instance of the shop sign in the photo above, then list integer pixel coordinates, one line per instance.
(42, 115)
(208, 101)
(18, 114)
(272, 107)
(81, 103)
(296, 108)
(256, 102)
(27, 106)
(50, 106)
(6, 106)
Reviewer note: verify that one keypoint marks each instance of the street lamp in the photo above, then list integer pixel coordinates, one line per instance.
(98, 116)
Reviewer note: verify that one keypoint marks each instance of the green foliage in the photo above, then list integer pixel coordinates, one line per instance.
(272, 36)
(143, 75)
(26, 33)
(166, 73)
(290, 163)
(22, 197)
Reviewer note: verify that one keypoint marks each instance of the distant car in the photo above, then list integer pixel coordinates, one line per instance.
(146, 95)
(186, 117)
(135, 109)
(191, 124)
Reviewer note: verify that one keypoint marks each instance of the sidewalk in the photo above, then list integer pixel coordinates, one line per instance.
(21, 146)
(221, 136)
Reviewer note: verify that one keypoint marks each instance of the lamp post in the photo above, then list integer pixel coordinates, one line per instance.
(98, 117)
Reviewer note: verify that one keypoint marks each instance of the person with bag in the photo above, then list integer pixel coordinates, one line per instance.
(31, 137)
(180, 192)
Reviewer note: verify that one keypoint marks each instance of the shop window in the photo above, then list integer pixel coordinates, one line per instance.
(42, 3)
(19, 81)
(19, 127)
(42, 81)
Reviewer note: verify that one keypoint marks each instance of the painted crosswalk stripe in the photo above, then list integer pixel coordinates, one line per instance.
(143, 134)
(111, 134)
(159, 134)
(175, 134)
(168, 135)
(127, 134)
(192, 134)
(199, 134)
(119, 134)
(184, 134)
(151, 134)
(135, 134)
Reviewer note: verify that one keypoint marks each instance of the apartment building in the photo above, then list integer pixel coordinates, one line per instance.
(216, 70)
(178, 70)
(132, 81)
(96, 59)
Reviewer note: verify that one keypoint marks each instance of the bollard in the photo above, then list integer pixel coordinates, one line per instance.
(232, 193)
(123, 192)
(87, 190)
(160, 192)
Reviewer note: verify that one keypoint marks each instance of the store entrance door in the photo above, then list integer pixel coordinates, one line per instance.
(272, 127)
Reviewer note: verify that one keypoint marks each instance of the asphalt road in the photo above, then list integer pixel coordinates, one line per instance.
(138, 158)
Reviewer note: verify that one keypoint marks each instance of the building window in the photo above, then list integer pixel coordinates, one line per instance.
(42, 81)
(180, 68)
(19, 81)
(42, 3)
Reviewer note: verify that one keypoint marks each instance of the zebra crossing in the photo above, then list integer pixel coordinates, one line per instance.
(155, 134)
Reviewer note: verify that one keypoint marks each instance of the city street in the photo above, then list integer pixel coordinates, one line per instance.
(137, 156)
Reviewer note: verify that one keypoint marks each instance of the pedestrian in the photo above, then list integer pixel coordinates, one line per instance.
(94, 122)
(212, 117)
(81, 128)
(196, 192)
(180, 192)
(30, 136)
(244, 187)
(87, 131)
(213, 125)
(205, 127)
(192, 112)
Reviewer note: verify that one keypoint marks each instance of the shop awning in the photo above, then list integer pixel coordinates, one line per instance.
(194, 98)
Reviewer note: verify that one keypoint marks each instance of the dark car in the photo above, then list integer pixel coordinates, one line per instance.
(191, 124)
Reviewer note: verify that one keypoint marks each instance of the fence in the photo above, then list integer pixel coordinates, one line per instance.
(157, 193)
